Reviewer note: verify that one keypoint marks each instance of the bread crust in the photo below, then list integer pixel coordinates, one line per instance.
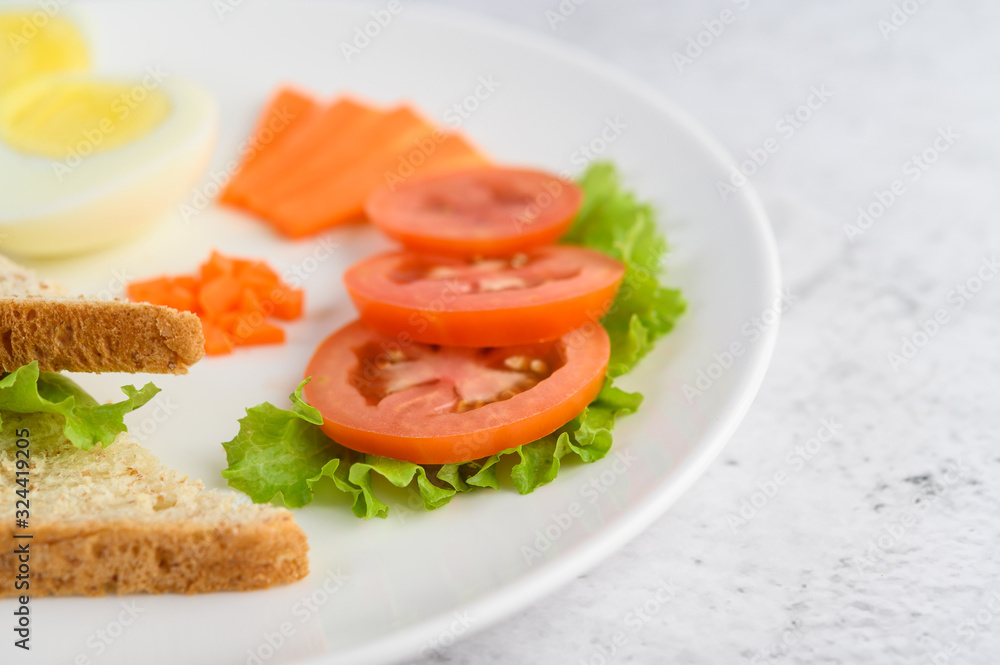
(82, 335)
(101, 558)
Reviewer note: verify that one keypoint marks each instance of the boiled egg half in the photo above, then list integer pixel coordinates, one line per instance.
(87, 161)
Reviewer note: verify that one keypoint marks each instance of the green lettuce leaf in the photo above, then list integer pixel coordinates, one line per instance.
(613, 222)
(85, 422)
(284, 452)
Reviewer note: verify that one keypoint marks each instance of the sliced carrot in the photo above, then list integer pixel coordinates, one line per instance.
(219, 295)
(217, 342)
(394, 129)
(326, 128)
(452, 153)
(342, 200)
(281, 117)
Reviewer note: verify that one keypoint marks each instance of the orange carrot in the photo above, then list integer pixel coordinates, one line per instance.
(259, 277)
(178, 293)
(283, 114)
(287, 303)
(247, 328)
(234, 298)
(326, 127)
(319, 172)
(342, 199)
(397, 127)
(217, 265)
(217, 342)
(219, 295)
(250, 302)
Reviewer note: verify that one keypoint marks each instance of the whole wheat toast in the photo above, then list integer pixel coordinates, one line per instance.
(116, 520)
(39, 322)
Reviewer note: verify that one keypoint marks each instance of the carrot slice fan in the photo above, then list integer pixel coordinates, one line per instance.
(320, 170)
(285, 114)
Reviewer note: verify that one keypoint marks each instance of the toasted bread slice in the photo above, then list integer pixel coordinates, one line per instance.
(117, 521)
(39, 322)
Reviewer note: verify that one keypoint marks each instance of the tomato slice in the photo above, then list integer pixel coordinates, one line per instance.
(531, 297)
(477, 212)
(439, 404)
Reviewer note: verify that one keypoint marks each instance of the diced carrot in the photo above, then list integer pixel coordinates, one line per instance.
(217, 265)
(189, 282)
(328, 127)
(342, 200)
(181, 299)
(251, 302)
(168, 291)
(149, 290)
(288, 303)
(217, 342)
(233, 297)
(278, 301)
(258, 276)
(282, 115)
(266, 333)
(247, 328)
(219, 295)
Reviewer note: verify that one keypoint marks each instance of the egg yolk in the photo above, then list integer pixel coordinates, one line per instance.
(58, 117)
(38, 43)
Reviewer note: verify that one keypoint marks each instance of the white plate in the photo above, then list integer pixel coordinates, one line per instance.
(419, 579)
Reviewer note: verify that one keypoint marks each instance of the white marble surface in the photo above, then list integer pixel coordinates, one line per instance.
(912, 477)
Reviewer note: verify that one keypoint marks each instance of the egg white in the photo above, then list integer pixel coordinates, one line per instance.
(57, 207)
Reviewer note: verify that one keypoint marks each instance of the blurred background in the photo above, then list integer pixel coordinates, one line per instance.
(882, 546)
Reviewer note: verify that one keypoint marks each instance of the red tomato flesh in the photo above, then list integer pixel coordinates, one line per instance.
(440, 405)
(532, 297)
(477, 212)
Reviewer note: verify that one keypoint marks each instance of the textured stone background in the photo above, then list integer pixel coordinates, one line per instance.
(883, 545)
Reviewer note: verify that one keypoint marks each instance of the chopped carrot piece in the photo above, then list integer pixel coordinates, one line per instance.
(167, 291)
(287, 303)
(217, 265)
(249, 302)
(247, 328)
(233, 297)
(259, 277)
(189, 282)
(219, 295)
(217, 342)
(267, 333)
(181, 299)
(150, 290)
